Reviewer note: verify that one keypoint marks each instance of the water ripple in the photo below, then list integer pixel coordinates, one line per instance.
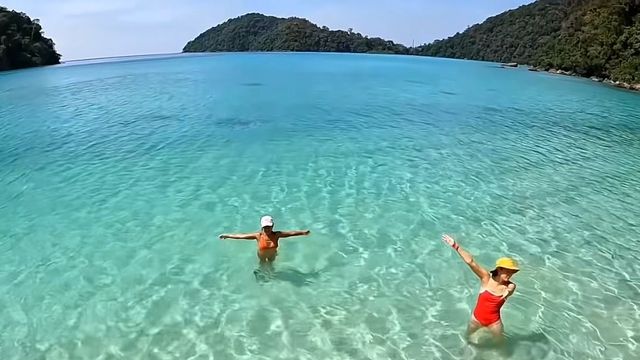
(117, 177)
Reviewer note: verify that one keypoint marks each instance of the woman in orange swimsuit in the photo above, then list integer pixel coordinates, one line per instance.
(495, 288)
(267, 239)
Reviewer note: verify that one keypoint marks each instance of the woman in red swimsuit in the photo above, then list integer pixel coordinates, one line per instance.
(495, 288)
(267, 239)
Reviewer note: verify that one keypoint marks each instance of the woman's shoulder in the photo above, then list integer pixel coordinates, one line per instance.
(494, 285)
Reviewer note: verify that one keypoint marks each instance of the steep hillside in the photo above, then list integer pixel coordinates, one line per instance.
(587, 37)
(22, 43)
(257, 32)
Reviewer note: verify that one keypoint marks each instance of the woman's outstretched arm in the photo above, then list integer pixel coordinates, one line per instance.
(251, 236)
(481, 272)
(286, 234)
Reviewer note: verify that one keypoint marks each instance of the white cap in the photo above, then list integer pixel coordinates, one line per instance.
(266, 221)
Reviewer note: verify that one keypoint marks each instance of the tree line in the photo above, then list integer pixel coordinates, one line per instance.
(257, 32)
(22, 43)
(587, 37)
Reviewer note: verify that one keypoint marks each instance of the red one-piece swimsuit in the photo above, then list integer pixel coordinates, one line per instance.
(487, 310)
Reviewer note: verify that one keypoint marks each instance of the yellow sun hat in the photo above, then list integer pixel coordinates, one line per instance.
(507, 263)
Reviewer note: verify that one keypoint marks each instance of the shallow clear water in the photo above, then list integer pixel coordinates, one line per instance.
(115, 179)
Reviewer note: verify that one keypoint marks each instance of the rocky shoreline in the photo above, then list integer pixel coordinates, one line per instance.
(619, 84)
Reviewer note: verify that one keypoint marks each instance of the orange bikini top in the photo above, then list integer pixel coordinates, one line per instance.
(264, 243)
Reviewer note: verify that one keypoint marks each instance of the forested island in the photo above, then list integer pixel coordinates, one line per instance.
(257, 32)
(591, 38)
(22, 43)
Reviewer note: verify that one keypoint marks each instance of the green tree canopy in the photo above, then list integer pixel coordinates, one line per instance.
(257, 32)
(22, 43)
(587, 37)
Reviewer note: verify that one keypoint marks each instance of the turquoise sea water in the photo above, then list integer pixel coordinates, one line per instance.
(115, 179)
